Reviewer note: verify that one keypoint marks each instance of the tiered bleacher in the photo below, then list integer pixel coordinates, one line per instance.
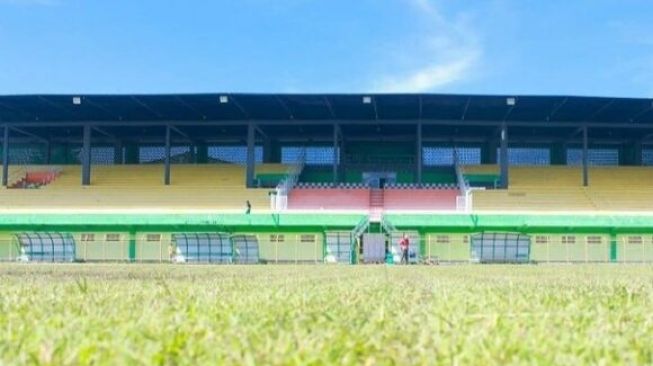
(559, 188)
(199, 186)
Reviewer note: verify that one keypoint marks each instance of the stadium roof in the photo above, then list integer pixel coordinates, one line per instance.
(324, 108)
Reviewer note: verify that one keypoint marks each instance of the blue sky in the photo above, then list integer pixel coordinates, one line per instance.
(577, 47)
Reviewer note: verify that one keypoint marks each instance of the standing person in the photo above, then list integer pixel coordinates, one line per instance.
(248, 208)
(404, 245)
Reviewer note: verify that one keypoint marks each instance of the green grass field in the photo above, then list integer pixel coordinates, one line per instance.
(165, 314)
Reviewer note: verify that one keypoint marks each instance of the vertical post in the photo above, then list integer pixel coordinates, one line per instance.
(132, 246)
(418, 154)
(637, 153)
(86, 156)
(66, 153)
(558, 154)
(131, 153)
(342, 160)
(631, 153)
(5, 157)
(202, 155)
(504, 157)
(267, 150)
(48, 153)
(117, 153)
(335, 154)
(166, 169)
(193, 153)
(613, 247)
(251, 157)
(489, 152)
(585, 158)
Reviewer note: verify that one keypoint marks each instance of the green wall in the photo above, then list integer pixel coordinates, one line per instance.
(555, 238)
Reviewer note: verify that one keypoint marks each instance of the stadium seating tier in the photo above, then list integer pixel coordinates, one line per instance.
(214, 186)
(559, 188)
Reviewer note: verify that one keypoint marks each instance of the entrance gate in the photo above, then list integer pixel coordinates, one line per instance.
(373, 248)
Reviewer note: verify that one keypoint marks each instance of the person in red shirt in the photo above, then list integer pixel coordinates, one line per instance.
(404, 244)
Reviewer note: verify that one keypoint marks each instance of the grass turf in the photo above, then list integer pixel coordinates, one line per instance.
(167, 314)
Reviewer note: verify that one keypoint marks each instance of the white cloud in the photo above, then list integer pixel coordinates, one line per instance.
(448, 52)
(429, 77)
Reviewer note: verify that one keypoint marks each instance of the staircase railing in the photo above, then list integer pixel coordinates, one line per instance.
(279, 201)
(361, 227)
(359, 230)
(464, 200)
(387, 226)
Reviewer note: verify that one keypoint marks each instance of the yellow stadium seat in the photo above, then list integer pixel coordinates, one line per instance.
(205, 187)
(559, 188)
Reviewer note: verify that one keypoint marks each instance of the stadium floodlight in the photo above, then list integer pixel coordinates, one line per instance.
(367, 99)
(224, 99)
(511, 101)
(77, 100)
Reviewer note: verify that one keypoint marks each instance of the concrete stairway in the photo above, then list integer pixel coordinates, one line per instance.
(376, 204)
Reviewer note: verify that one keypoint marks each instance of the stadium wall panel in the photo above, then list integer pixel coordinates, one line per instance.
(278, 247)
(8, 249)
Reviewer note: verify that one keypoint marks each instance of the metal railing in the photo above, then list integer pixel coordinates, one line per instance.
(279, 198)
(361, 227)
(387, 226)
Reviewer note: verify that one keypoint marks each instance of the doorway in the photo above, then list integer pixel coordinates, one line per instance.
(379, 179)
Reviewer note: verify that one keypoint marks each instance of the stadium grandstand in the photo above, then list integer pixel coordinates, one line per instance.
(329, 178)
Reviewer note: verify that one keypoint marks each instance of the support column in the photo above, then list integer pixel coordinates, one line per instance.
(418, 155)
(166, 169)
(637, 154)
(132, 246)
(66, 153)
(202, 156)
(267, 150)
(558, 154)
(48, 153)
(504, 181)
(489, 152)
(251, 155)
(275, 154)
(630, 154)
(5, 157)
(86, 156)
(117, 153)
(613, 247)
(193, 153)
(585, 158)
(342, 150)
(335, 154)
(131, 153)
